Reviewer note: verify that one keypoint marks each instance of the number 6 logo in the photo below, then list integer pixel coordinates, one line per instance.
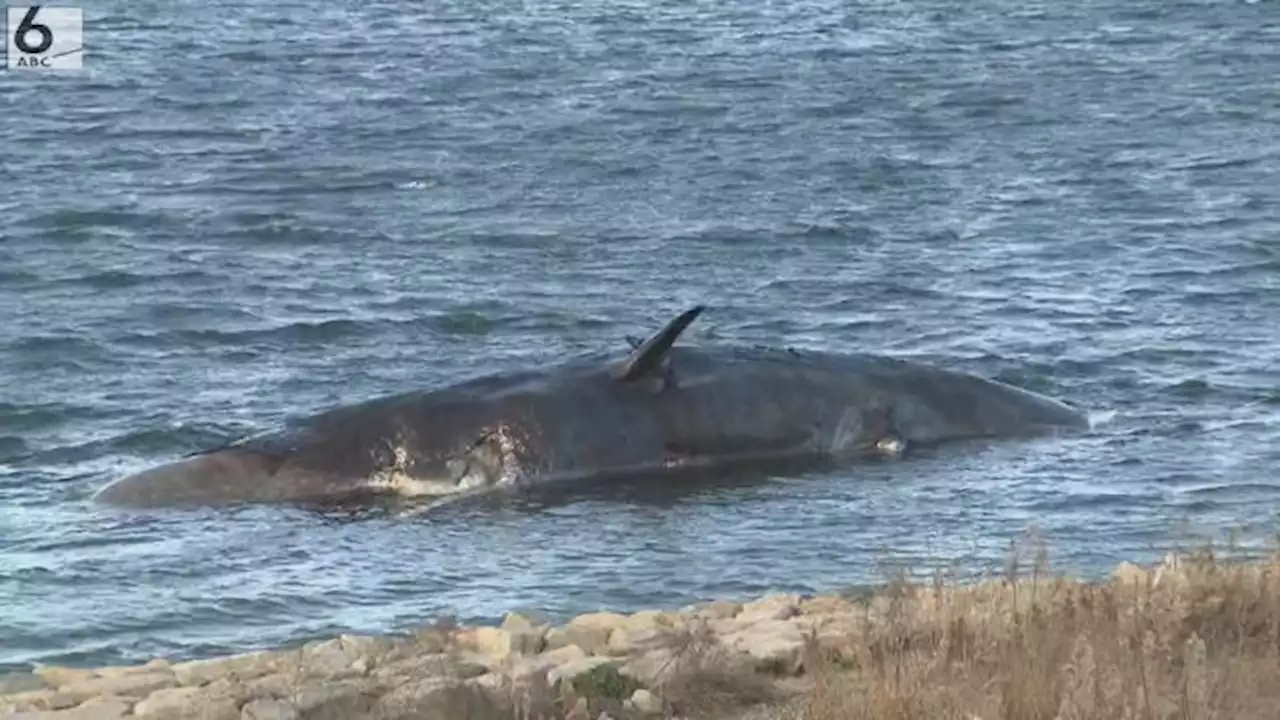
(29, 25)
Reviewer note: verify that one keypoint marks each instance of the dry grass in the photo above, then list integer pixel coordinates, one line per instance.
(1195, 640)
(705, 681)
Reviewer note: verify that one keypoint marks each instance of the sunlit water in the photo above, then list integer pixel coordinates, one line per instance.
(246, 212)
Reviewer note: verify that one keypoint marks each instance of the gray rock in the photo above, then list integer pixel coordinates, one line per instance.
(770, 607)
(432, 665)
(337, 657)
(715, 610)
(634, 639)
(500, 643)
(646, 703)
(574, 668)
(135, 686)
(265, 709)
(601, 620)
(342, 699)
(187, 702)
(776, 645)
(20, 682)
(245, 666)
(436, 694)
(654, 667)
(592, 640)
(99, 709)
(57, 676)
(526, 620)
(38, 700)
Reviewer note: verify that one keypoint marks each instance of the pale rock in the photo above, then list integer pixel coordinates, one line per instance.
(340, 699)
(714, 610)
(276, 685)
(156, 665)
(40, 700)
(57, 676)
(232, 689)
(170, 701)
(643, 630)
(339, 656)
(826, 605)
(137, 686)
(770, 607)
(187, 702)
(106, 708)
(593, 630)
(654, 667)
(411, 698)
(364, 645)
(629, 640)
(774, 644)
(574, 668)
(606, 621)
(1129, 574)
(499, 643)
(21, 682)
(591, 639)
(646, 703)
(527, 620)
(524, 668)
(431, 640)
(265, 709)
(245, 666)
(652, 618)
(434, 665)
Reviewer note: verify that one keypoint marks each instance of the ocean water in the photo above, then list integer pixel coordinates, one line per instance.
(246, 212)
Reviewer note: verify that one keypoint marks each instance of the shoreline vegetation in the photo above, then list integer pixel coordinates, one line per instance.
(1191, 637)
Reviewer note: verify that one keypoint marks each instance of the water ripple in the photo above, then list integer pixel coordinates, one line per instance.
(280, 213)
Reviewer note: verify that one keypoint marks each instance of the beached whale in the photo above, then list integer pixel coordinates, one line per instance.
(660, 409)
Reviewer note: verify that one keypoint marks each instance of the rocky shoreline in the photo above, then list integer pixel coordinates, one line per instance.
(718, 659)
(400, 676)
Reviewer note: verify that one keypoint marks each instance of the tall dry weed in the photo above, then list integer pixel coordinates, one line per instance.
(1193, 640)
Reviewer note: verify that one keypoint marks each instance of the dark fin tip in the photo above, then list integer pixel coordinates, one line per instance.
(649, 356)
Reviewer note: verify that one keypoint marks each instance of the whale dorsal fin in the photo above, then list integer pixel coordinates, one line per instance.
(649, 357)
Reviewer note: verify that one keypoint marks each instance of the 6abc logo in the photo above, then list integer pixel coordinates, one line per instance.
(40, 37)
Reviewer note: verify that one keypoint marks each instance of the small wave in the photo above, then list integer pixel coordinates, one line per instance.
(148, 443)
(83, 219)
(1234, 491)
(12, 447)
(63, 350)
(1101, 418)
(464, 323)
(1215, 163)
(186, 312)
(28, 418)
(1191, 388)
(15, 278)
(107, 280)
(119, 279)
(296, 333)
(288, 233)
